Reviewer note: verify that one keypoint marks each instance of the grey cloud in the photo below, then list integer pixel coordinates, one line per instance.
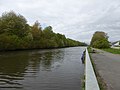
(77, 19)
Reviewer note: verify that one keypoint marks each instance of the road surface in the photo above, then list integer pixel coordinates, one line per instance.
(108, 66)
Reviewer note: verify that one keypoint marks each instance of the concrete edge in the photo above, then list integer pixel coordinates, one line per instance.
(91, 82)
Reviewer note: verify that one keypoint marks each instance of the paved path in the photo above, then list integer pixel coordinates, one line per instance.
(108, 66)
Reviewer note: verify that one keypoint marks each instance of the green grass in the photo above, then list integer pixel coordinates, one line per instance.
(111, 50)
(89, 49)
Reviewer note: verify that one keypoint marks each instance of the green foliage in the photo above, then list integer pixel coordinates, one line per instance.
(60, 40)
(13, 24)
(100, 40)
(111, 50)
(15, 34)
(36, 31)
(48, 32)
(12, 42)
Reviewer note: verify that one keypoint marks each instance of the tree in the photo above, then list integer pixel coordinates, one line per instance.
(36, 31)
(13, 24)
(48, 32)
(61, 40)
(100, 40)
(15, 34)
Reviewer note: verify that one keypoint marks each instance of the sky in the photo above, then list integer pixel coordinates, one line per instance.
(77, 19)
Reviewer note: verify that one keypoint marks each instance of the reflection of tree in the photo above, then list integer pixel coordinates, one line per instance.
(49, 58)
(13, 65)
(46, 60)
(12, 68)
(42, 60)
(16, 66)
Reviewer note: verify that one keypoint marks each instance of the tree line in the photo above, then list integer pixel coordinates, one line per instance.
(16, 34)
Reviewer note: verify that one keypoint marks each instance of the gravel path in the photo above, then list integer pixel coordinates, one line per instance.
(108, 66)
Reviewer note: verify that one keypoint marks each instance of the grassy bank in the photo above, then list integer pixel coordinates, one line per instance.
(111, 50)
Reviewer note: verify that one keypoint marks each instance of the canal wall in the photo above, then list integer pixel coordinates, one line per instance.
(91, 82)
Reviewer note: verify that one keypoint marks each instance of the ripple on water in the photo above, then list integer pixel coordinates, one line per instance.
(55, 69)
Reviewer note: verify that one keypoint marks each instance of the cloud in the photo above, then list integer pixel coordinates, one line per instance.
(77, 19)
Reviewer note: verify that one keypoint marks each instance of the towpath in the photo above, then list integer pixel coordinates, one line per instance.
(108, 67)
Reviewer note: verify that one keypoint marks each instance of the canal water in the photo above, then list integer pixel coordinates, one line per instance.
(52, 69)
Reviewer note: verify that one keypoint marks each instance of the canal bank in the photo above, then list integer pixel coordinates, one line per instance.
(107, 66)
(91, 82)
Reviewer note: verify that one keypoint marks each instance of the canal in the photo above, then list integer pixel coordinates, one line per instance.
(52, 69)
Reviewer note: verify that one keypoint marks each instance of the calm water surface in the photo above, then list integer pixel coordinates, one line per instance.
(53, 69)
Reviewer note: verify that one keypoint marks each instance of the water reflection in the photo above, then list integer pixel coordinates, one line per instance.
(35, 69)
(14, 66)
(45, 60)
(11, 70)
